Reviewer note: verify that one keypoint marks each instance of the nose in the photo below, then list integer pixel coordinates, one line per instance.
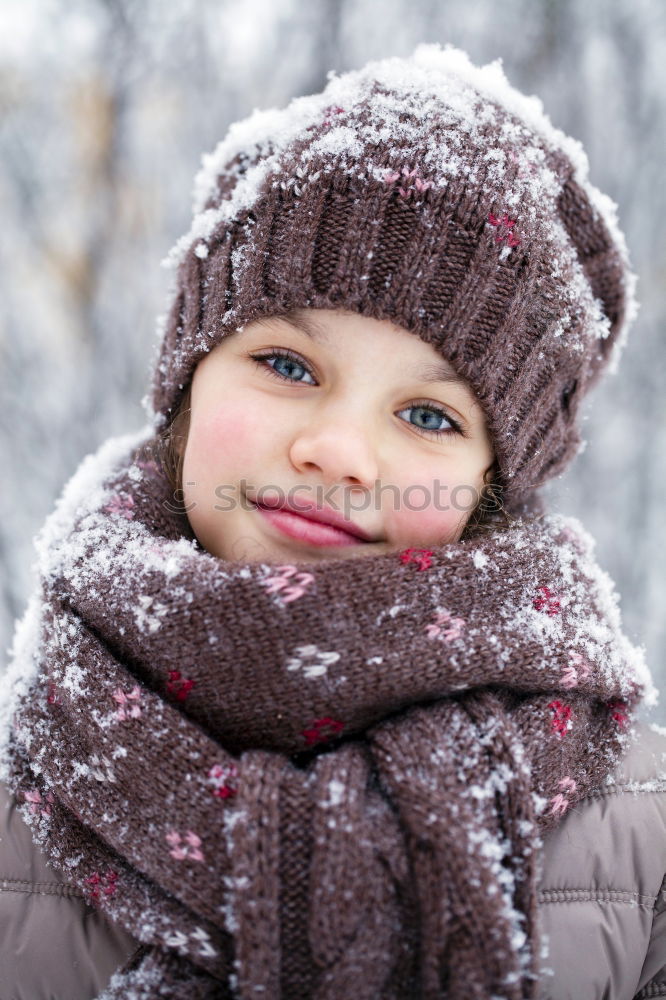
(337, 450)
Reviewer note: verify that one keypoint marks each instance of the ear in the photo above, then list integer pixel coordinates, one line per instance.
(179, 435)
(178, 440)
(181, 423)
(491, 473)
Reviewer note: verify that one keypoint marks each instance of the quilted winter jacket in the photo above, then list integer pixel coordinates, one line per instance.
(602, 898)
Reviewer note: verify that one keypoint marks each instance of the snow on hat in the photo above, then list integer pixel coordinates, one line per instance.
(431, 193)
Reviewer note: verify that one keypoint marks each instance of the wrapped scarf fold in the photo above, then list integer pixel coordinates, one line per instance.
(309, 780)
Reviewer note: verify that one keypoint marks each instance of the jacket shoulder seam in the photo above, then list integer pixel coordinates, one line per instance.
(597, 896)
(40, 888)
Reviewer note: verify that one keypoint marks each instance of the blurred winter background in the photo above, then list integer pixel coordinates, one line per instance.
(105, 109)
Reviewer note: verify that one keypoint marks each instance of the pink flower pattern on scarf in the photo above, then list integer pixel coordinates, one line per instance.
(288, 582)
(38, 805)
(579, 669)
(561, 802)
(186, 847)
(129, 707)
(446, 626)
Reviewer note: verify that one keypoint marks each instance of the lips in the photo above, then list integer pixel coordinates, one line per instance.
(294, 519)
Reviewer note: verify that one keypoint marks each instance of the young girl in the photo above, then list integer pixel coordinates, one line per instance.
(313, 700)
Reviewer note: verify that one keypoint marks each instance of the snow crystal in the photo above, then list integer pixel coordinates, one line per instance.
(145, 619)
(498, 781)
(336, 791)
(231, 818)
(134, 985)
(80, 770)
(480, 559)
(539, 803)
(234, 884)
(73, 678)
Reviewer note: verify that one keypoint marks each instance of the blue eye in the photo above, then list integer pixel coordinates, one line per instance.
(429, 419)
(288, 366)
(286, 362)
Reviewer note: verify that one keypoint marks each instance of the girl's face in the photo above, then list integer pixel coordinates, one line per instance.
(341, 418)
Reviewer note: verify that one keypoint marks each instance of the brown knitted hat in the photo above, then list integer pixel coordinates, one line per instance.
(428, 192)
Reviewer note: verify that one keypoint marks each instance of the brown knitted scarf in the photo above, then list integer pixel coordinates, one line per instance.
(322, 780)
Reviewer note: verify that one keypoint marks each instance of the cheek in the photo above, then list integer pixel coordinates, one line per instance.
(418, 524)
(222, 439)
(431, 511)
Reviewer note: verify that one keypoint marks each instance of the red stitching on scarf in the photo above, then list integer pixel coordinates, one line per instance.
(53, 697)
(410, 555)
(504, 225)
(618, 710)
(178, 686)
(224, 781)
(561, 718)
(322, 730)
(547, 601)
(105, 884)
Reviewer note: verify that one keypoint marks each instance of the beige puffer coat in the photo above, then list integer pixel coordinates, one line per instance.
(602, 896)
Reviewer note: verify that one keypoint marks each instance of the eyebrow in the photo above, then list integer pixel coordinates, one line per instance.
(428, 373)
